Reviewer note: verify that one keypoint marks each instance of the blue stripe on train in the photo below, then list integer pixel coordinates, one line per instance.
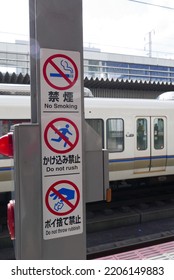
(6, 168)
(140, 158)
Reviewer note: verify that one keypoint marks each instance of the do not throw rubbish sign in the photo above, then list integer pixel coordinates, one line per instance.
(62, 198)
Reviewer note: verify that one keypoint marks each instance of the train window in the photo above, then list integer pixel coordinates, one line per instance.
(141, 134)
(97, 125)
(115, 135)
(5, 128)
(158, 133)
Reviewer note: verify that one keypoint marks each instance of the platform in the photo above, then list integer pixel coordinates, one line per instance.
(163, 251)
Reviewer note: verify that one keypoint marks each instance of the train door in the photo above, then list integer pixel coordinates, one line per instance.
(150, 144)
(158, 144)
(142, 145)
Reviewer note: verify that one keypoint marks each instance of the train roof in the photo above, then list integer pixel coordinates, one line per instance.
(168, 96)
(14, 89)
(101, 103)
(117, 103)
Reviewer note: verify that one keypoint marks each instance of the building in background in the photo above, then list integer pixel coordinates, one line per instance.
(106, 74)
(15, 57)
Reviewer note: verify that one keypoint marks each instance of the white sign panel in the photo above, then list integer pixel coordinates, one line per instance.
(61, 127)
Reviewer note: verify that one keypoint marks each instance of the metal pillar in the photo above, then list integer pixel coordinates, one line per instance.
(49, 204)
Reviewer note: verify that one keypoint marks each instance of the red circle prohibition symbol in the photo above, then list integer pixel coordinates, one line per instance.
(72, 206)
(64, 138)
(50, 61)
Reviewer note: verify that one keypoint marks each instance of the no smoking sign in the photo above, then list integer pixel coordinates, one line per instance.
(60, 72)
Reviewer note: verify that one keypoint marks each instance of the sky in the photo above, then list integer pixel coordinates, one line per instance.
(120, 26)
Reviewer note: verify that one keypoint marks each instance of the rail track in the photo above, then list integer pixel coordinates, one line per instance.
(135, 218)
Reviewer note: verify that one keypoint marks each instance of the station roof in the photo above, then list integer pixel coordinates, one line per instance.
(8, 78)
(97, 83)
(128, 84)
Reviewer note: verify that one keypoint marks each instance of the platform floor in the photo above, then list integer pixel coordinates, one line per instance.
(163, 251)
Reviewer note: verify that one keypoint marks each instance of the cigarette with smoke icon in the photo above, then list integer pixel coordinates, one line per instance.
(66, 68)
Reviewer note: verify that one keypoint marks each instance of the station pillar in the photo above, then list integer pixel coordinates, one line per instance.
(48, 153)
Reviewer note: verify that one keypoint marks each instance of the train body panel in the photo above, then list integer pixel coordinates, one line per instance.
(14, 107)
(6, 183)
(138, 133)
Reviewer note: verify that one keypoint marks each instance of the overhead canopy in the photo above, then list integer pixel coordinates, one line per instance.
(98, 83)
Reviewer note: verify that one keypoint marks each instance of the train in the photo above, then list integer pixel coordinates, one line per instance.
(137, 133)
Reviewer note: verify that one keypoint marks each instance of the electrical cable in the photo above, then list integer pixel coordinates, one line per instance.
(150, 4)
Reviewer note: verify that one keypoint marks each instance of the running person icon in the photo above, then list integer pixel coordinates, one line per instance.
(64, 131)
(61, 135)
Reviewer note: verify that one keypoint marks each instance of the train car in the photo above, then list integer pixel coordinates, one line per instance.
(13, 109)
(138, 133)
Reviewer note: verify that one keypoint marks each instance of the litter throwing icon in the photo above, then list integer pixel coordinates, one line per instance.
(60, 72)
(62, 198)
(61, 135)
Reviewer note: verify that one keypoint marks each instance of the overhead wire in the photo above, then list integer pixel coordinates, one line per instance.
(155, 5)
(150, 4)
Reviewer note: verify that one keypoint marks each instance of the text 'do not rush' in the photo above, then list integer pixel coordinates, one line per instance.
(61, 135)
(60, 72)
(62, 198)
